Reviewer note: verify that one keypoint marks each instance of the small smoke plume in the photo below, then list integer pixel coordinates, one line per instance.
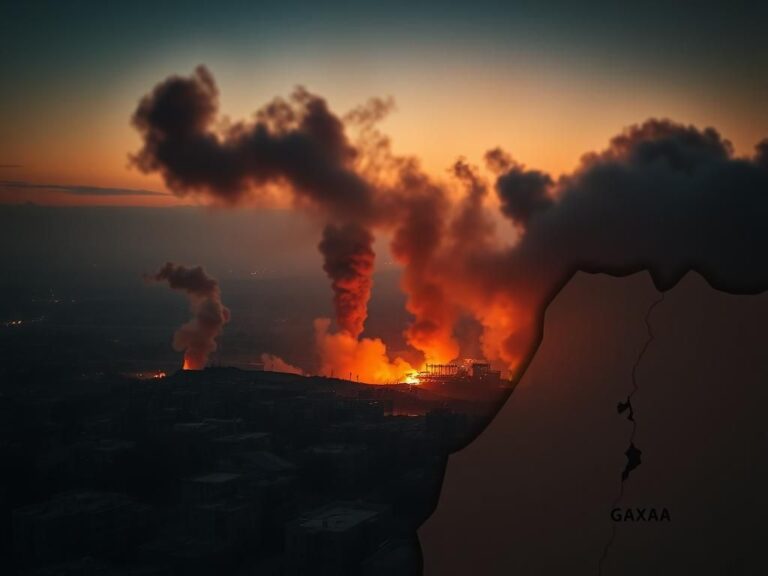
(196, 338)
(349, 259)
(274, 363)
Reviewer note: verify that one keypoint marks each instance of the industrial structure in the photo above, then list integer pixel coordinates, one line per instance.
(465, 377)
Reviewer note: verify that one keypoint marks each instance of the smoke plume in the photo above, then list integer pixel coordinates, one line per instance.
(349, 261)
(274, 363)
(196, 338)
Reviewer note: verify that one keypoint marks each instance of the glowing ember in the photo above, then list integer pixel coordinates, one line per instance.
(413, 379)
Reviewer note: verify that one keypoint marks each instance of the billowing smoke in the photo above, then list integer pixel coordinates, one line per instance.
(415, 245)
(662, 197)
(196, 338)
(349, 258)
(274, 363)
(297, 141)
(522, 192)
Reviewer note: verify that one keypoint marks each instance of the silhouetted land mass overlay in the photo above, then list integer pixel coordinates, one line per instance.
(220, 471)
(701, 388)
(633, 453)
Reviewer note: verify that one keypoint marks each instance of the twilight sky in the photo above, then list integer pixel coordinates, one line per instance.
(547, 81)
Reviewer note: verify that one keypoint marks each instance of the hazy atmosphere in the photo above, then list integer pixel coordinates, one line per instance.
(275, 274)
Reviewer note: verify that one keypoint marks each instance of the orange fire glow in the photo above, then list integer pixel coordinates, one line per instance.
(364, 360)
(413, 379)
(189, 364)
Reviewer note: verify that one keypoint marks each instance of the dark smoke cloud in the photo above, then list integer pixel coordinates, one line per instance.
(522, 192)
(665, 197)
(349, 259)
(472, 228)
(662, 197)
(297, 141)
(196, 338)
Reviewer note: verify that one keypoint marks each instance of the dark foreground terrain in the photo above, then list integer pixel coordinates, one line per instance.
(222, 471)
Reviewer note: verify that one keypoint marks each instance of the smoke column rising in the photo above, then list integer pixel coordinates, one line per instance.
(349, 260)
(196, 338)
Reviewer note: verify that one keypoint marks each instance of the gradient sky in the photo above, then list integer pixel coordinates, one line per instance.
(548, 81)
